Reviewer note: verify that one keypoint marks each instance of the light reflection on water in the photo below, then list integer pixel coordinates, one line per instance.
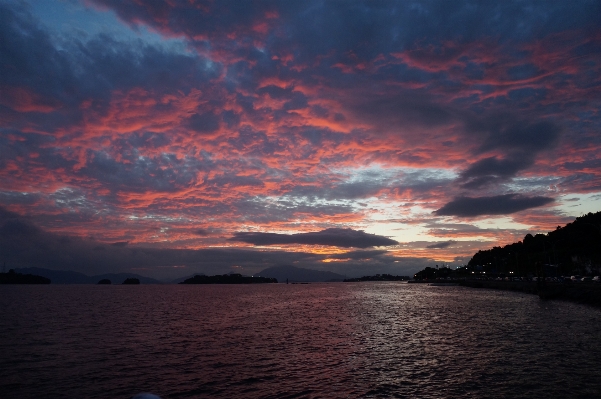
(280, 341)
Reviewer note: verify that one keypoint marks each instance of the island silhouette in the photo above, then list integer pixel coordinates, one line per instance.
(13, 277)
(72, 277)
(228, 279)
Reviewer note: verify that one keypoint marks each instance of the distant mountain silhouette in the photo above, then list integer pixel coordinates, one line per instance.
(297, 274)
(71, 277)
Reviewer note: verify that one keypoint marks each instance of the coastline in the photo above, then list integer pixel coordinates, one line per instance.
(584, 293)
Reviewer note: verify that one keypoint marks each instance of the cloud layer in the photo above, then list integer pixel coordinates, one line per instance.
(346, 238)
(179, 125)
(23, 244)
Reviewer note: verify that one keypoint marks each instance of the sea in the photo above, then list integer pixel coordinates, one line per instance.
(323, 340)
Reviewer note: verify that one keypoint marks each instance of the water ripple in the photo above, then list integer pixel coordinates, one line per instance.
(372, 340)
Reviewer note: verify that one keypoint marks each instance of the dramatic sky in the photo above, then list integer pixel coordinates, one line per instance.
(178, 137)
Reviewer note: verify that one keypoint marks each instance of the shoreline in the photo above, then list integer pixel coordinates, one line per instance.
(583, 293)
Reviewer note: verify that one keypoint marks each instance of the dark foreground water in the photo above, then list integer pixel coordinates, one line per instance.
(287, 341)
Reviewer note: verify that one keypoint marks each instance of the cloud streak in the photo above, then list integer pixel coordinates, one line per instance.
(345, 238)
(444, 244)
(495, 205)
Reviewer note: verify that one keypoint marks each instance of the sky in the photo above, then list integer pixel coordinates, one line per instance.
(181, 137)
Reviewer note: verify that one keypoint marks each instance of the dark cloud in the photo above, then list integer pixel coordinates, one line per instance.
(17, 228)
(521, 142)
(346, 238)
(495, 205)
(356, 30)
(523, 138)
(134, 172)
(29, 59)
(298, 101)
(230, 118)
(409, 109)
(444, 244)
(51, 82)
(5, 215)
(204, 123)
(12, 197)
(493, 170)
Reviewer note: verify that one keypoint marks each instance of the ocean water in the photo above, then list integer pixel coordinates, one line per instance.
(339, 340)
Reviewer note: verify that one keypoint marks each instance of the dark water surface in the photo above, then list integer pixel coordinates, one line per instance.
(286, 341)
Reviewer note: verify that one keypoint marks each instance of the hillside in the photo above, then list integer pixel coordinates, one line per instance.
(572, 249)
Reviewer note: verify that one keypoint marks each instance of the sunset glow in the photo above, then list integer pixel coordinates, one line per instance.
(355, 137)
